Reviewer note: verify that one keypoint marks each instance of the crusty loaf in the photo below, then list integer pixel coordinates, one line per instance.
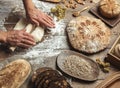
(109, 8)
(87, 34)
(48, 78)
(14, 74)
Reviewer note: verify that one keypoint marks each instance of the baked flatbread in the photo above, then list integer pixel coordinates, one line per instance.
(14, 74)
(88, 34)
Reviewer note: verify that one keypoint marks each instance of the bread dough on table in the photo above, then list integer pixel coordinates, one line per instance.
(21, 24)
(36, 32)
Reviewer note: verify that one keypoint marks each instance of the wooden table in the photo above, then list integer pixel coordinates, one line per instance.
(45, 53)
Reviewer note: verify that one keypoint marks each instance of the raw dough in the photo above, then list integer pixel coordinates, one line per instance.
(36, 32)
(29, 28)
(21, 24)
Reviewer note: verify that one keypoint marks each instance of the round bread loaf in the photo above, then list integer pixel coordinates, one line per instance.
(88, 34)
(109, 8)
(14, 74)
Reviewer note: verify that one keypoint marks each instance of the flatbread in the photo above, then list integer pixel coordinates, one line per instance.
(14, 74)
(88, 34)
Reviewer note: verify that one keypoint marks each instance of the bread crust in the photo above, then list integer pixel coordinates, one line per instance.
(109, 8)
(87, 34)
(14, 74)
(49, 78)
(39, 71)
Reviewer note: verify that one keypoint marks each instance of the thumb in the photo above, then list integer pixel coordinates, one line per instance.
(24, 30)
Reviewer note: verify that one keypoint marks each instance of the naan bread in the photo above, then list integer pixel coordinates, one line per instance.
(14, 74)
(88, 34)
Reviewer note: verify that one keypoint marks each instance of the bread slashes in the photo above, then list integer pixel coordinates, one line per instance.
(88, 34)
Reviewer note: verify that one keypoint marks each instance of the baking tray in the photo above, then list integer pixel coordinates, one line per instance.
(62, 57)
(112, 81)
(111, 22)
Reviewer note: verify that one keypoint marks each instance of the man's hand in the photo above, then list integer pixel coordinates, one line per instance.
(37, 17)
(19, 38)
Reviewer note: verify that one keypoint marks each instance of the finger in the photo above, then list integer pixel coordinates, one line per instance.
(48, 20)
(22, 45)
(35, 22)
(50, 17)
(28, 35)
(28, 42)
(27, 38)
(48, 24)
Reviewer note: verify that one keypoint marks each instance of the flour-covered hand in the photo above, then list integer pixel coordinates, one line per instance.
(19, 38)
(38, 17)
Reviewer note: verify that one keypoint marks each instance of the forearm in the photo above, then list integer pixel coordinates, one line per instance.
(28, 4)
(3, 36)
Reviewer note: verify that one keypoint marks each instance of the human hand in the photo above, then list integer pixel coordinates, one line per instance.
(37, 17)
(19, 38)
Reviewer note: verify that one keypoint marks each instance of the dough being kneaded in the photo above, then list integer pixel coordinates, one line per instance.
(36, 32)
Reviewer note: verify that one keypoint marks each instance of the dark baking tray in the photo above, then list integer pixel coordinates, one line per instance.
(111, 22)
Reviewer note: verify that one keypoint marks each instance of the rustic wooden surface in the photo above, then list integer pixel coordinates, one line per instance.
(45, 53)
